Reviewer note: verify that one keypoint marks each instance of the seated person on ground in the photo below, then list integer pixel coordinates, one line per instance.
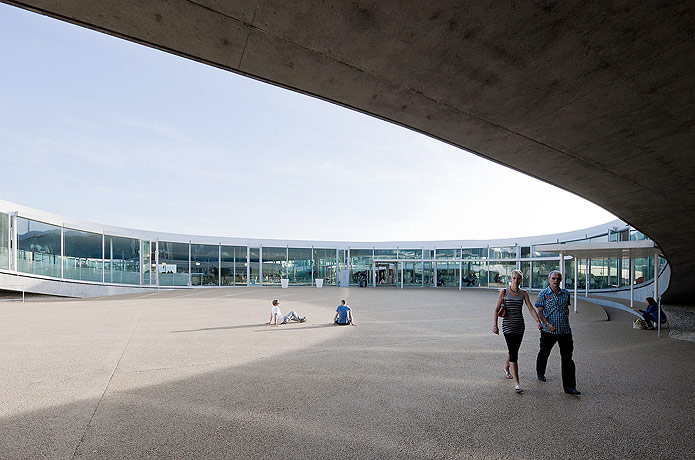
(652, 314)
(276, 316)
(343, 315)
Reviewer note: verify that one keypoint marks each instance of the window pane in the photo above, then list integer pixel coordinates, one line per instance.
(447, 273)
(4, 241)
(410, 254)
(299, 266)
(38, 248)
(204, 264)
(254, 265)
(234, 265)
(447, 253)
(474, 253)
(599, 274)
(274, 265)
(173, 264)
(360, 265)
(526, 272)
(500, 273)
(385, 254)
(122, 260)
(541, 270)
(412, 273)
(508, 252)
(474, 274)
(325, 265)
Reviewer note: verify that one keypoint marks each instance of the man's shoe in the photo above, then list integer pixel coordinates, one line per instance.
(572, 391)
(541, 377)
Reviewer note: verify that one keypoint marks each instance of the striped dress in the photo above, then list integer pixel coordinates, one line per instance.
(513, 323)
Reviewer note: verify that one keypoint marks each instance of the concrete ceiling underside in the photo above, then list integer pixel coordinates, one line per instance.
(595, 97)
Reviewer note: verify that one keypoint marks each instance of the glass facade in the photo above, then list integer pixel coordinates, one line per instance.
(233, 264)
(4, 241)
(299, 266)
(325, 265)
(82, 255)
(38, 248)
(500, 273)
(503, 253)
(274, 266)
(121, 260)
(173, 264)
(205, 265)
(45, 249)
(540, 271)
(361, 266)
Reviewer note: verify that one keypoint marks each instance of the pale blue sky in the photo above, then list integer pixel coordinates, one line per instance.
(104, 130)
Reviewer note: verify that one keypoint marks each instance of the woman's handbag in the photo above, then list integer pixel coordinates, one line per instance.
(502, 312)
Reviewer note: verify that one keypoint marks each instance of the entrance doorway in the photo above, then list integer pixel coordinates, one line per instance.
(386, 273)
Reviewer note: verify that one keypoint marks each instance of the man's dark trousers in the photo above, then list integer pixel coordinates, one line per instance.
(566, 344)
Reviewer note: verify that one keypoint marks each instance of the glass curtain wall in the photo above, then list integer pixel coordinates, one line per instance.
(38, 248)
(5, 241)
(474, 253)
(541, 270)
(411, 260)
(254, 265)
(234, 266)
(83, 255)
(508, 252)
(598, 278)
(474, 273)
(325, 265)
(173, 264)
(360, 263)
(205, 264)
(501, 273)
(526, 272)
(122, 260)
(274, 265)
(299, 266)
(147, 264)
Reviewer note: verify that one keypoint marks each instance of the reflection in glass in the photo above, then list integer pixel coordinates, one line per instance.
(325, 265)
(205, 264)
(541, 270)
(385, 254)
(274, 265)
(508, 252)
(147, 268)
(83, 256)
(447, 273)
(122, 260)
(299, 266)
(412, 273)
(598, 277)
(474, 253)
(501, 273)
(173, 264)
(38, 248)
(4, 241)
(447, 253)
(360, 266)
(254, 265)
(474, 274)
(234, 266)
(526, 272)
(410, 254)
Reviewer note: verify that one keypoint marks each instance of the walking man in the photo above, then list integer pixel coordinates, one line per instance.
(553, 309)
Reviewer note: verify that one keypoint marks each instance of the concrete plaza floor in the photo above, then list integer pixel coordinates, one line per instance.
(197, 374)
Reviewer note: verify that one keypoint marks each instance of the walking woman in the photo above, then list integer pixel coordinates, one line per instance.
(513, 299)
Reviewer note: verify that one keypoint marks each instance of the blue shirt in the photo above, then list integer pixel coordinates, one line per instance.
(555, 309)
(343, 314)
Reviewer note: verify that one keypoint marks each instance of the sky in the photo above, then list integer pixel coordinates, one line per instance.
(103, 130)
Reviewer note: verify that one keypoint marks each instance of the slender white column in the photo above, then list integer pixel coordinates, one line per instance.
(576, 273)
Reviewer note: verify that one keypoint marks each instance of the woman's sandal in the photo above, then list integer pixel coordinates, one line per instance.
(507, 374)
(518, 389)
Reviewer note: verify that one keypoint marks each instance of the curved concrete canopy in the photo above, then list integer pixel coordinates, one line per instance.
(594, 97)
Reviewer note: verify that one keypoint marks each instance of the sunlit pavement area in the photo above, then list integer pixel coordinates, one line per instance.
(198, 374)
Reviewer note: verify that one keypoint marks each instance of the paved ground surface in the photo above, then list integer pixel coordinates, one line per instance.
(196, 374)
